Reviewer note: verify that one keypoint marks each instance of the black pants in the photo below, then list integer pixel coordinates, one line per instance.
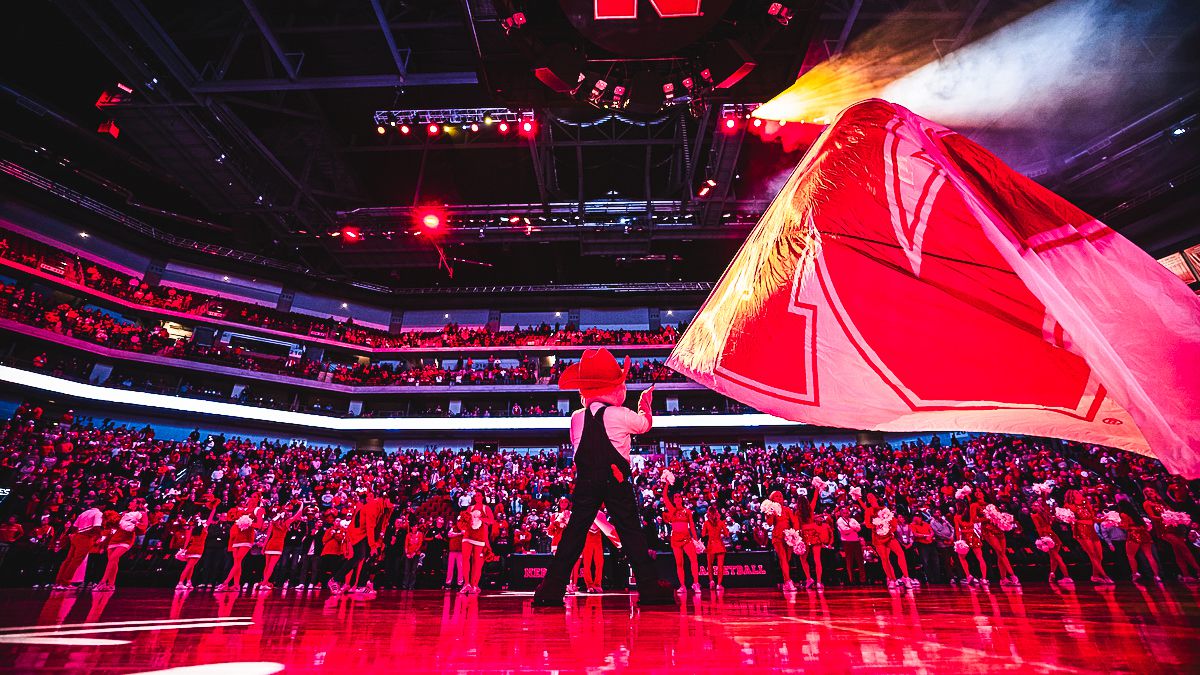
(410, 571)
(309, 570)
(360, 554)
(213, 566)
(587, 499)
(931, 564)
(289, 565)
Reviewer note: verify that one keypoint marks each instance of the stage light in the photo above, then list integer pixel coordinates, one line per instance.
(447, 128)
(84, 235)
(381, 130)
(487, 119)
(706, 187)
(528, 127)
(514, 219)
(433, 129)
(352, 234)
(431, 221)
(474, 126)
(1178, 131)
(730, 125)
(757, 123)
(405, 129)
(503, 127)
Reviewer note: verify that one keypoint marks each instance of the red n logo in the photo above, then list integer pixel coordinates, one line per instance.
(627, 9)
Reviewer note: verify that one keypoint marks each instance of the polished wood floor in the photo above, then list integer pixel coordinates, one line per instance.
(1034, 629)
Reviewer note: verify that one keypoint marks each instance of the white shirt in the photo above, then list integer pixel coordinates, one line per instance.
(848, 528)
(89, 519)
(619, 423)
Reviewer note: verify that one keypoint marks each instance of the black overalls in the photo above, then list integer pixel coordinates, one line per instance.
(595, 486)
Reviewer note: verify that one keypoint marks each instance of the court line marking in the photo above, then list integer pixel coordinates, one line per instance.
(61, 642)
(108, 624)
(134, 629)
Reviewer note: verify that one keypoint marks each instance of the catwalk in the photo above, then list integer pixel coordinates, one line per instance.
(1037, 629)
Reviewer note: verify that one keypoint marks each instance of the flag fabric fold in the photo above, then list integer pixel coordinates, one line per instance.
(905, 279)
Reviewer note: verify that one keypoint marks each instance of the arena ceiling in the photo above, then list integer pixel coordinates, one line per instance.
(250, 126)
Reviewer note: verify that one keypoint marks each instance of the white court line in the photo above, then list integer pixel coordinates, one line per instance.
(107, 624)
(233, 668)
(135, 629)
(61, 642)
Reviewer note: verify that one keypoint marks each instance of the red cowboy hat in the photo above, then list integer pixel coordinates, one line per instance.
(596, 371)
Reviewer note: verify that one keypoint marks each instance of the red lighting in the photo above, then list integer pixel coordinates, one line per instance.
(514, 219)
(433, 129)
(706, 187)
(528, 127)
(503, 127)
(431, 221)
(405, 129)
(109, 127)
(352, 234)
(730, 124)
(757, 123)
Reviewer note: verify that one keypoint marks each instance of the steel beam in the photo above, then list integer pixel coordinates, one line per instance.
(388, 37)
(269, 36)
(336, 82)
(514, 145)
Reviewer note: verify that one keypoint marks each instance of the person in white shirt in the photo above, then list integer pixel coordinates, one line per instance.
(852, 549)
(87, 528)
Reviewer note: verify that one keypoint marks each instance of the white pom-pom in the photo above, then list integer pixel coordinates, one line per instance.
(1044, 544)
(961, 548)
(1043, 489)
(818, 484)
(883, 522)
(1176, 518)
(793, 540)
(771, 508)
(244, 522)
(963, 492)
(856, 492)
(1110, 519)
(1065, 515)
(668, 477)
(699, 546)
(130, 521)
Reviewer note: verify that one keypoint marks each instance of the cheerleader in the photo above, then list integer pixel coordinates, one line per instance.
(132, 523)
(994, 537)
(1043, 521)
(781, 523)
(593, 552)
(883, 539)
(277, 531)
(1170, 535)
(683, 537)
(247, 520)
(810, 533)
(555, 529)
(966, 530)
(714, 532)
(1084, 531)
(475, 522)
(1138, 540)
(193, 547)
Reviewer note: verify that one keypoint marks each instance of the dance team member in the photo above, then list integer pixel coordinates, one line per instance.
(593, 552)
(132, 523)
(813, 538)
(1042, 515)
(781, 523)
(277, 531)
(1138, 540)
(85, 532)
(474, 521)
(994, 537)
(247, 520)
(966, 529)
(714, 531)
(683, 537)
(1171, 535)
(362, 537)
(601, 435)
(193, 545)
(1084, 531)
(883, 539)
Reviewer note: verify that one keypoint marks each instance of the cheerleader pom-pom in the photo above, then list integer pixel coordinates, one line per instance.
(1065, 515)
(963, 492)
(818, 484)
(668, 477)
(1176, 518)
(129, 521)
(771, 508)
(856, 492)
(792, 539)
(699, 546)
(181, 555)
(244, 522)
(961, 548)
(800, 549)
(1044, 544)
(1110, 519)
(1043, 489)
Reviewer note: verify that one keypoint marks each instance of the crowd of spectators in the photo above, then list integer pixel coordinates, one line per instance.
(55, 468)
(95, 325)
(98, 277)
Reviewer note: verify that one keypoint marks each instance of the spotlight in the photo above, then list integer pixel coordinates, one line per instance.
(433, 129)
(503, 127)
(757, 123)
(431, 221)
(381, 130)
(528, 127)
(474, 126)
(352, 234)
(730, 125)
(1178, 131)
(345, 305)
(514, 219)
(447, 128)
(84, 235)
(405, 129)
(706, 187)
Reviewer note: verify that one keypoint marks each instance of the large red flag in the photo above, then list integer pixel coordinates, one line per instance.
(905, 279)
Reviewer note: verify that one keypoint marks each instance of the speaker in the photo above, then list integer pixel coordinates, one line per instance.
(204, 336)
